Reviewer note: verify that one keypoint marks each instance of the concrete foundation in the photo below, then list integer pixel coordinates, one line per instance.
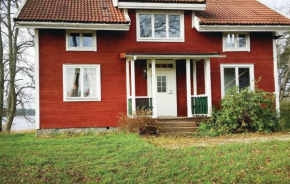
(74, 131)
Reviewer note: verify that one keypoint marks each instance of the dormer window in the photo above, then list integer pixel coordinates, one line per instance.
(81, 41)
(160, 26)
(236, 42)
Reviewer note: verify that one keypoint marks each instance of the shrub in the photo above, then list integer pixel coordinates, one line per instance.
(141, 123)
(207, 129)
(254, 110)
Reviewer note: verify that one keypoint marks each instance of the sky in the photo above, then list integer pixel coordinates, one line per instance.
(280, 4)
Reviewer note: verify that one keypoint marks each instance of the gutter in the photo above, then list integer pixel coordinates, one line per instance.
(66, 25)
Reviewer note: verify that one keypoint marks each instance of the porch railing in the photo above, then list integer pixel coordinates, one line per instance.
(199, 104)
(142, 103)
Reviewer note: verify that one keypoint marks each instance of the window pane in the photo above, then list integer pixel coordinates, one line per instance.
(244, 78)
(229, 78)
(160, 26)
(73, 82)
(145, 26)
(159, 78)
(87, 40)
(161, 84)
(230, 40)
(90, 82)
(74, 39)
(174, 26)
(242, 41)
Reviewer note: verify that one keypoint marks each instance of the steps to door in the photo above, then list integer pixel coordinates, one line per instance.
(179, 126)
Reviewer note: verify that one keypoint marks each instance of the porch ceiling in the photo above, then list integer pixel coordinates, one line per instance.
(171, 55)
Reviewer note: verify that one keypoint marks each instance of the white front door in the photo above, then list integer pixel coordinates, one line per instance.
(166, 87)
(166, 93)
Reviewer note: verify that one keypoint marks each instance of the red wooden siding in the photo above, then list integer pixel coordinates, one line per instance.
(54, 113)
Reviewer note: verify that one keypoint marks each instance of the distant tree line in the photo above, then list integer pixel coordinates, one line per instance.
(22, 112)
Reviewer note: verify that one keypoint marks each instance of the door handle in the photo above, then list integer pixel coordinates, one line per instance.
(170, 92)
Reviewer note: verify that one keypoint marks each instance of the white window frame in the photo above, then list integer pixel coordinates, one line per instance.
(236, 48)
(167, 39)
(81, 66)
(81, 48)
(237, 66)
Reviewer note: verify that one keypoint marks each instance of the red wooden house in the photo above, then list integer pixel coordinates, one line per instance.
(96, 59)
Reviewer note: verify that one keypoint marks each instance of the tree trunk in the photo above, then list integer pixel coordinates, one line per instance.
(1, 76)
(12, 42)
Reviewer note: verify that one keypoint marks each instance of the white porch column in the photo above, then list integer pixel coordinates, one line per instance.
(154, 89)
(194, 79)
(208, 92)
(128, 82)
(133, 92)
(188, 87)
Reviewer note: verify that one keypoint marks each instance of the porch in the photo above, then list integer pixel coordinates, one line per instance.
(155, 83)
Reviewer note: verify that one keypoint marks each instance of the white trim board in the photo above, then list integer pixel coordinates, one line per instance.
(20, 8)
(275, 65)
(173, 56)
(161, 6)
(65, 25)
(37, 86)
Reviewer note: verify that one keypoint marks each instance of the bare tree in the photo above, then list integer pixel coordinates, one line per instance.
(1, 72)
(15, 64)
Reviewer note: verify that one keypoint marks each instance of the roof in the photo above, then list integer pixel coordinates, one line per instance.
(166, 1)
(84, 11)
(218, 12)
(240, 12)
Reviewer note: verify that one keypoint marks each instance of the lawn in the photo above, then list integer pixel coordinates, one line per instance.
(120, 158)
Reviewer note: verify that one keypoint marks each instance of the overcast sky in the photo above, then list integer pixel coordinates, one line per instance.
(277, 4)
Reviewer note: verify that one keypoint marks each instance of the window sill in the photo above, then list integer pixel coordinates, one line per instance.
(82, 100)
(82, 49)
(160, 40)
(236, 50)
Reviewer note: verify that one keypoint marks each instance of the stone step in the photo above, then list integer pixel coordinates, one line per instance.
(177, 129)
(177, 124)
(178, 119)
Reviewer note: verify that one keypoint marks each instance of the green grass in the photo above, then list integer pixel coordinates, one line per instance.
(120, 158)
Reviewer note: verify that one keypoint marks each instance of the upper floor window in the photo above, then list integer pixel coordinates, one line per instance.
(82, 82)
(236, 42)
(160, 26)
(81, 41)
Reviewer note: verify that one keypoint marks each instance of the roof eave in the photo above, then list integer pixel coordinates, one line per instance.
(162, 6)
(169, 56)
(238, 28)
(71, 25)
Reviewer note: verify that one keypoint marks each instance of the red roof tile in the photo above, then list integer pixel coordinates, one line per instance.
(166, 1)
(244, 12)
(87, 11)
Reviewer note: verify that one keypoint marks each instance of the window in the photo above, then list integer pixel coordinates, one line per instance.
(236, 42)
(237, 75)
(81, 83)
(160, 26)
(161, 84)
(81, 41)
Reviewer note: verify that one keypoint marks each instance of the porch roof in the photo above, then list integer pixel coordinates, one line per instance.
(200, 55)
